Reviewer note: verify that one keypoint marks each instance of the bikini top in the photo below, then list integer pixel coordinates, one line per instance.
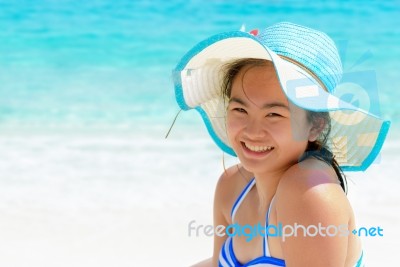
(227, 257)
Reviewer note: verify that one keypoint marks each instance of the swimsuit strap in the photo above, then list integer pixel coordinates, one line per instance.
(242, 195)
(239, 201)
(265, 243)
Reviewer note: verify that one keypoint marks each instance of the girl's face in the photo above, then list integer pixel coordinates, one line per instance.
(264, 129)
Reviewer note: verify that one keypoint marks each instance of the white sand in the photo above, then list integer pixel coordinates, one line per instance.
(127, 199)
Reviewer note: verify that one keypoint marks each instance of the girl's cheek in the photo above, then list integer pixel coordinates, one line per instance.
(278, 131)
(235, 123)
(271, 126)
(233, 127)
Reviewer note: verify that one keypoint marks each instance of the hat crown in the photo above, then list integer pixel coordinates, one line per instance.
(313, 49)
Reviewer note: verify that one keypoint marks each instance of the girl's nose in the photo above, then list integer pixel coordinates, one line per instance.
(255, 130)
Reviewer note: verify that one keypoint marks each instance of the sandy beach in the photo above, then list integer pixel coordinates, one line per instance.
(126, 200)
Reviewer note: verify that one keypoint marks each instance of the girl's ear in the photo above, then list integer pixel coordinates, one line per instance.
(318, 125)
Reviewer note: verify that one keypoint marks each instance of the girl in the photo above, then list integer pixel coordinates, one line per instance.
(267, 99)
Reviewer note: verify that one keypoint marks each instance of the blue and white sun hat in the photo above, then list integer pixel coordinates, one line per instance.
(309, 69)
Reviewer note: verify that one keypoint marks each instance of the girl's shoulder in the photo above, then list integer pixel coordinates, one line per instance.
(310, 196)
(229, 186)
(309, 173)
(311, 185)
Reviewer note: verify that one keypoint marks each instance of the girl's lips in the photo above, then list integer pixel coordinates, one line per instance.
(257, 154)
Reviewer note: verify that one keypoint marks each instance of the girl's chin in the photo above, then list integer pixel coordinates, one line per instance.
(255, 166)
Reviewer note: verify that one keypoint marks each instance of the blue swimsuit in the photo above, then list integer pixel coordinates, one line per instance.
(227, 256)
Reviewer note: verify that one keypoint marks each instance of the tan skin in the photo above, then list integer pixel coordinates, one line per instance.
(259, 115)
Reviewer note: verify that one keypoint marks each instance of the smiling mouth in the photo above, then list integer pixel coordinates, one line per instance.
(257, 149)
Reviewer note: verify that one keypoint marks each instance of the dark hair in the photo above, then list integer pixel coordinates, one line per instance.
(317, 149)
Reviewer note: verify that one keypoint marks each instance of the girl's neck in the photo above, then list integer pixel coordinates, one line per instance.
(266, 185)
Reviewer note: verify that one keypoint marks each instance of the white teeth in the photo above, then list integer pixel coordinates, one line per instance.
(259, 148)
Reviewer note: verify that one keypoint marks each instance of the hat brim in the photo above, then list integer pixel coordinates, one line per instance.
(356, 136)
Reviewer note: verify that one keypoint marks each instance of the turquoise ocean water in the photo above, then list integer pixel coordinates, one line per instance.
(73, 64)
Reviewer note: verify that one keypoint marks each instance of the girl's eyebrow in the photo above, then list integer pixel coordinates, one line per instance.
(265, 106)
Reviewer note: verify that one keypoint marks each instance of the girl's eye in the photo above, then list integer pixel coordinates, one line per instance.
(241, 110)
(273, 115)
